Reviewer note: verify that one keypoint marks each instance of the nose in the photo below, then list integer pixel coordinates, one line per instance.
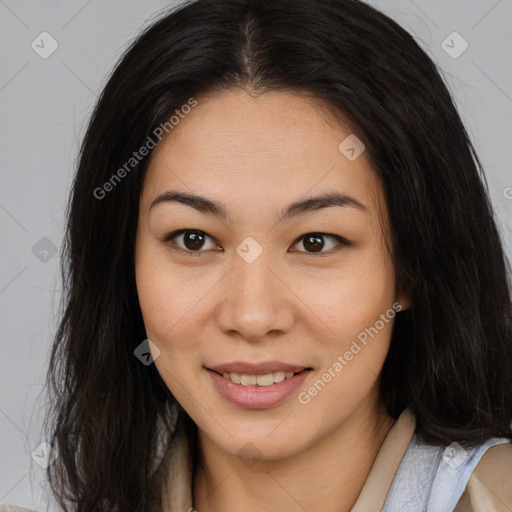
(258, 302)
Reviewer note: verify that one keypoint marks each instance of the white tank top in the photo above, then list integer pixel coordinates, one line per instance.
(433, 478)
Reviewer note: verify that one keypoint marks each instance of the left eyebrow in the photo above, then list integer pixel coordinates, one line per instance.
(302, 207)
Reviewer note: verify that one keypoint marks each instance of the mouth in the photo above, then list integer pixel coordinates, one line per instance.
(258, 386)
(260, 380)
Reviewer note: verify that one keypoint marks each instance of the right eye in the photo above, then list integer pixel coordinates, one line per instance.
(191, 239)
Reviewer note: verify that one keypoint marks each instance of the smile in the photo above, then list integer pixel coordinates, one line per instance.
(266, 379)
(258, 391)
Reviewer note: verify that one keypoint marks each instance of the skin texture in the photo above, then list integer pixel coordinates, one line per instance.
(256, 155)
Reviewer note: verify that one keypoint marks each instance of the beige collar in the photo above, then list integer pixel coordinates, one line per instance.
(174, 475)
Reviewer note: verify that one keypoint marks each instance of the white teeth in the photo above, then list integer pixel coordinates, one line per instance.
(261, 380)
(248, 380)
(279, 376)
(265, 380)
(234, 377)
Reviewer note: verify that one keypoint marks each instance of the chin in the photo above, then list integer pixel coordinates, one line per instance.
(267, 440)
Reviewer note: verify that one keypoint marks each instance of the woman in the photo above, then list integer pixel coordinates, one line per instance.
(284, 285)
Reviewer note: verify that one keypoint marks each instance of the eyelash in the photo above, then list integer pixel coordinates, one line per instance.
(168, 241)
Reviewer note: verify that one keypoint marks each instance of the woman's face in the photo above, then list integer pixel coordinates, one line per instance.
(256, 289)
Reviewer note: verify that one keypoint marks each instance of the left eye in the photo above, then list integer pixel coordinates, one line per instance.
(315, 241)
(194, 240)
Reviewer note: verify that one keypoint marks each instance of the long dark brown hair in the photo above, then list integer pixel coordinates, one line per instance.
(450, 358)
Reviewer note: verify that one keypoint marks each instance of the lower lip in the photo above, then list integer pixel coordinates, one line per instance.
(258, 397)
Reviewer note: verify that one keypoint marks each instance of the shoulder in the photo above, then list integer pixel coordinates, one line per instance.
(490, 484)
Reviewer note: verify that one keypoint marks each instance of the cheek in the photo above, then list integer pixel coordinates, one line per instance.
(361, 316)
(356, 297)
(161, 291)
(154, 295)
(168, 319)
(172, 302)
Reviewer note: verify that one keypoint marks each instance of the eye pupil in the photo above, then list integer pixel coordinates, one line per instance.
(193, 240)
(315, 242)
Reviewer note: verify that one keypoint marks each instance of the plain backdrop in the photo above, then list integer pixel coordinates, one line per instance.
(45, 103)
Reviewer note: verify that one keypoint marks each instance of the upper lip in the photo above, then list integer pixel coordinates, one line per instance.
(245, 368)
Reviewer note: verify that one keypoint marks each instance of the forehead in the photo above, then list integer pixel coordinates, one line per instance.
(277, 146)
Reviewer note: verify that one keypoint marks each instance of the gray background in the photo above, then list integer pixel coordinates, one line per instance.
(44, 106)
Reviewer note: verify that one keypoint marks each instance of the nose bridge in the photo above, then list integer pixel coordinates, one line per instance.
(256, 300)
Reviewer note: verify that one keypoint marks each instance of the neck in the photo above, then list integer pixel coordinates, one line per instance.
(327, 476)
